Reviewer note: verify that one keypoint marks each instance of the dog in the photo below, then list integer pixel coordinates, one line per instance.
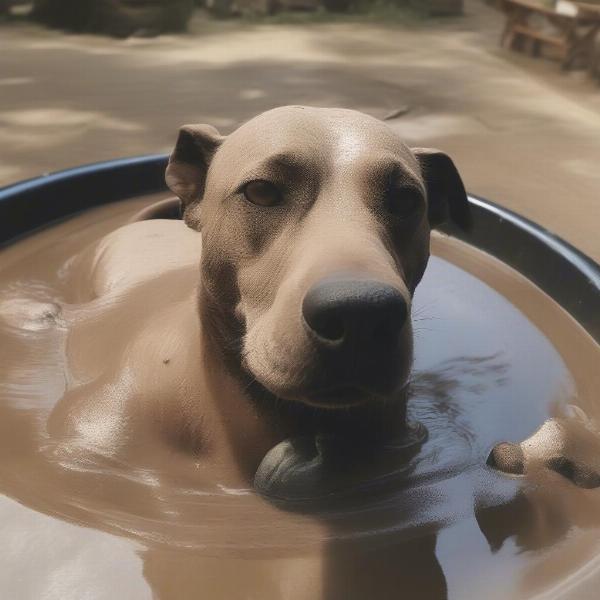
(311, 256)
(315, 227)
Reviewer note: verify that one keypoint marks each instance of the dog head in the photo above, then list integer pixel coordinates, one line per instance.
(315, 227)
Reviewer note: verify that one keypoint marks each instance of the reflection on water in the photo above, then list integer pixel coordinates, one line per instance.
(485, 371)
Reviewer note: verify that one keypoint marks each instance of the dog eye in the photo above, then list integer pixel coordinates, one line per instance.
(262, 193)
(403, 202)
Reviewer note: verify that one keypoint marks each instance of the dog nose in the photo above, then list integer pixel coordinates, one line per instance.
(355, 313)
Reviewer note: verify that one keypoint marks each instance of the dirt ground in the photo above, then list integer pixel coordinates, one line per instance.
(522, 133)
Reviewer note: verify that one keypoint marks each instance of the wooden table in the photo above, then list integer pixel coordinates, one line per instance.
(573, 36)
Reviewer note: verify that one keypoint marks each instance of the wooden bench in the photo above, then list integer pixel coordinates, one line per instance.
(572, 36)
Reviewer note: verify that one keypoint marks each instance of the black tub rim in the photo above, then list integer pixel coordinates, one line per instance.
(559, 269)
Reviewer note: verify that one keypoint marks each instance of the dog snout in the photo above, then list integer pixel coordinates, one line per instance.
(355, 316)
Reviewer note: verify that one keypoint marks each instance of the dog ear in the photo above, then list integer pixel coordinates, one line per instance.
(445, 190)
(189, 162)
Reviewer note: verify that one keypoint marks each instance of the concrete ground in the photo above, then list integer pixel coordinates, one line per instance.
(522, 133)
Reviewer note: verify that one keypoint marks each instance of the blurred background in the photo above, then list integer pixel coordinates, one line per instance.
(509, 88)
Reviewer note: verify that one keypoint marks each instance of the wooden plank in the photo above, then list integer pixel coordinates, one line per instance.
(538, 35)
(591, 9)
(533, 7)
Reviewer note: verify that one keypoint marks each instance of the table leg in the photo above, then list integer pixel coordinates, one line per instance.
(580, 46)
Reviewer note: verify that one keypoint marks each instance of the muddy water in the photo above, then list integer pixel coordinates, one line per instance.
(495, 358)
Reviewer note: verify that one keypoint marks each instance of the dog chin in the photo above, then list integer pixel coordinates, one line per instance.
(340, 397)
(330, 398)
(323, 397)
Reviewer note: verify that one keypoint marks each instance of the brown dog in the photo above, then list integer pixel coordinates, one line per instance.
(315, 232)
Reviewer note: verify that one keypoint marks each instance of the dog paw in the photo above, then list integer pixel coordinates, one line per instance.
(567, 446)
(326, 469)
(292, 470)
